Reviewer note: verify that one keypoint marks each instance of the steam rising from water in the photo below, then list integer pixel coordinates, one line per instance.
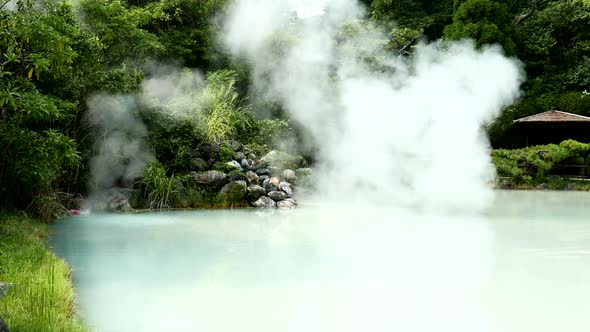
(410, 133)
(121, 148)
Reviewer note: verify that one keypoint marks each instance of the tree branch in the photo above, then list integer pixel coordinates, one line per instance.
(4, 4)
(519, 19)
(405, 49)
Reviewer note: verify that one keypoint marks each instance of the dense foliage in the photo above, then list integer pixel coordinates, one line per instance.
(54, 55)
(535, 165)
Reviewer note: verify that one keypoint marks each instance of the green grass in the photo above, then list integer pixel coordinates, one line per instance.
(162, 191)
(42, 298)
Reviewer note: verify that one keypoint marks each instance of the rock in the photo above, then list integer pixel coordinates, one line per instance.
(237, 176)
(189, 196)
(212, 178)
(264, 202)
(235, 164)
(263, 171)
(233, 192)
(570, 186)
(207, 151)
(506, 183)
(282, 160)
(252, 177)
(240, 156)
(274, 171)
(71, 201)
(254, 192)
(258, 164)
(286, 188)
(118, 199)
(303, 172)
(272, 155)
(235, 145)
(198, 164)
(275, 182)
(266, 185)
(287, 203)
(4, 287)
(262, 178)
(252, 156)
(3, 326)
(271, 184)
(542, 186)
(277, 195)
(78, 201)
(290, 176)
(193, 153)
(247, 164)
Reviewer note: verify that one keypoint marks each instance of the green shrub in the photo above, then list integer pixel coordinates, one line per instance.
(33, 162)
(256, 148)
(274, 130)
(162, 190)
(226, 154)
(224, 167)
(46, 208)
(535, 163)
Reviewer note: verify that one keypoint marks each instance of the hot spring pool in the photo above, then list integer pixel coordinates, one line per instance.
(522, 266)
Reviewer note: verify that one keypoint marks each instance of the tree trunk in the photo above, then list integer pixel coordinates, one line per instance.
(530, 13)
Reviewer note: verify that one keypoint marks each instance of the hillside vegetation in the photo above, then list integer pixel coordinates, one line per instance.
(57, 57)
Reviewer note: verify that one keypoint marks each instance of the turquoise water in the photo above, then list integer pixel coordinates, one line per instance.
(523, 265)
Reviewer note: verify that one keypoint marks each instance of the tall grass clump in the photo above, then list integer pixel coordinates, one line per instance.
(226, 116)
(42, 298)
(162, 191)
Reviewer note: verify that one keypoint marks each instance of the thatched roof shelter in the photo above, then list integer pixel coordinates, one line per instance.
(553, 117)
(553, 127)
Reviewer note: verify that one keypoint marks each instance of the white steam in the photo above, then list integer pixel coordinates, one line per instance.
(408, 135)
(121, 150)
(9, 5)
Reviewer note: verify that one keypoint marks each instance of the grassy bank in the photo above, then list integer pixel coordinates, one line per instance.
(42, 298)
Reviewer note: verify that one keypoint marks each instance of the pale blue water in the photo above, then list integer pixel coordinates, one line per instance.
(522, 266)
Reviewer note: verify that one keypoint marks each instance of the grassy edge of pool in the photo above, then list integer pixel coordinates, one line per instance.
(42, 296)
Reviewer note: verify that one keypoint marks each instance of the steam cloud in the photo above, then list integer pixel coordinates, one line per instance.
(121, 148)
(9, 5)
(409, 135)
(122, 151)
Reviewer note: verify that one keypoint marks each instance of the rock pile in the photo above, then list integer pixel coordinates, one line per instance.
(224, 176)
(263, 183)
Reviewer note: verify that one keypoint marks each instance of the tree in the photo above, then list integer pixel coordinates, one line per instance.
(485, 21)
(118, 29)
(186, 29)
(555, 44)
(427, 17)
(34, 153)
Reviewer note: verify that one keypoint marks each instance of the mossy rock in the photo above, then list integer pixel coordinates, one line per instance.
(224, 167)
(282, 160)
(233, 192)
(226, 153)
(210, 178)
(191, 197)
